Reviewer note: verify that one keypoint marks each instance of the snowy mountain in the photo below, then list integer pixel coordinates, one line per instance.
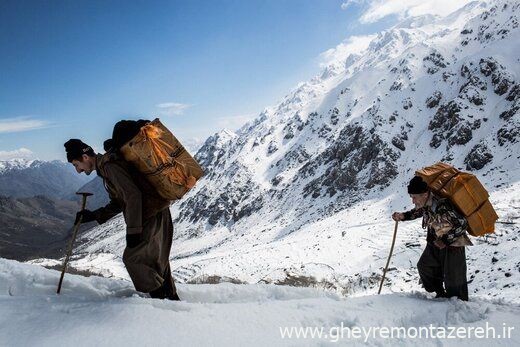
(15, 164)
(303, 194)
(441, 90)
(27, 178)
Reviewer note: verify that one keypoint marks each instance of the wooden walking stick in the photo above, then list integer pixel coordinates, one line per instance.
(389, 256)
(74, 232)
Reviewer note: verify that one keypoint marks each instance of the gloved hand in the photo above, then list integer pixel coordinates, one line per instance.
(398, 216)
(88, 216)
(133, 240)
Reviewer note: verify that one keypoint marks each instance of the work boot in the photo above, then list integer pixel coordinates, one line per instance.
(165, 292)
(440, 294)
(158, 293)
(174, 297)
(169, 289)
(169, 286)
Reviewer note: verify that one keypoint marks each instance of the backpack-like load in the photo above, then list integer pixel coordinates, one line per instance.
(466, 192)
(163, 160)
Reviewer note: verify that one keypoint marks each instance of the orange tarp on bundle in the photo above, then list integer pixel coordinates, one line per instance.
(157, 153)
(483, 220)
(466, 192)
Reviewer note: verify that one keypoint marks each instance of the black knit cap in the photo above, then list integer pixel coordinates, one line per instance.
(125, 130)
(75, 148)
(417, 186)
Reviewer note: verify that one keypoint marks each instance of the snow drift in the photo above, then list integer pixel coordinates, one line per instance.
(108, 312)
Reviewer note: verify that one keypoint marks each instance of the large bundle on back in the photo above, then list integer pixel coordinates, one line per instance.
(164, 161)
(466, 192)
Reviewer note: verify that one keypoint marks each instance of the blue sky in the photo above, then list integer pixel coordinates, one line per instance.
(71, 69)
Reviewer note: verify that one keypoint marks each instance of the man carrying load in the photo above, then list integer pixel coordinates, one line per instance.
(145, 206)
(444, 258)
(451, 202)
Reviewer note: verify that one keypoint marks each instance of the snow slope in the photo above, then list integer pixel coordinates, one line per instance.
(344, 253)
(107, 312)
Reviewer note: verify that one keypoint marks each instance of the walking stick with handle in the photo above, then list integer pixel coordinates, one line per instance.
(75, 231)
(388, 261)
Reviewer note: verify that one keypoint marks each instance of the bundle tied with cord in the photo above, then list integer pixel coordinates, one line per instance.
(466, 193)
(157, 153)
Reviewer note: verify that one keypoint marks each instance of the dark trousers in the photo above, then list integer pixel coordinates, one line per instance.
(448, 265)
(148, 264)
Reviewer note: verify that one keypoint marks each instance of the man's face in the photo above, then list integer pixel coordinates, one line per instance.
(86, 165)
(419, 200)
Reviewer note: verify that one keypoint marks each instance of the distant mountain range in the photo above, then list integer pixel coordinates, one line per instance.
(38, 205)
(95, 186)
(26, 178)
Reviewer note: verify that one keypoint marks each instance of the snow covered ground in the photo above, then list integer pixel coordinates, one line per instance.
(95, 311)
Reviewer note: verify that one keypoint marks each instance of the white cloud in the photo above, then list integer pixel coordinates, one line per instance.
(352, 45)
(16, 154)
(348, 3)
(378, 9)
(193, 144)
(172, 108)
(18, 124)
(234, 122)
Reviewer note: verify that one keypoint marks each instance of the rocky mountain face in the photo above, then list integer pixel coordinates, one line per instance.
(24, 178)
(308, 187)
(429, 89)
